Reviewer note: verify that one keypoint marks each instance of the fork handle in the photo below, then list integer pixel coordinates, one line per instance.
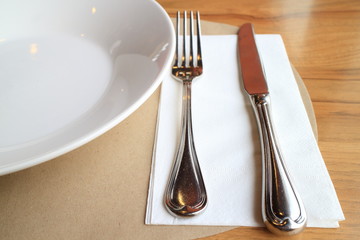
(185, 193)
(282, 209)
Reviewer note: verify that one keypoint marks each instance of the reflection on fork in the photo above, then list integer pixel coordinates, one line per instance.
(185, 194)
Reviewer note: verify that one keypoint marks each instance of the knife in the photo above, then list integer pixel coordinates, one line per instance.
(282, 209)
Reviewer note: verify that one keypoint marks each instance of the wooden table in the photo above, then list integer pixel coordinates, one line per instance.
(322, 38)
(59, 200)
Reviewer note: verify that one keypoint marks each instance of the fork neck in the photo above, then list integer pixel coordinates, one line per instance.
(186, 103)
(187, 90)
(188, 79)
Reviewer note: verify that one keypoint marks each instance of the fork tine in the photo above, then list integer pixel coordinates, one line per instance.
(199, 55)
(191, 57)
(184, 41)
(176, 59)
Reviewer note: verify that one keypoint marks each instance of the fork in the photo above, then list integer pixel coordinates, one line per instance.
(185, 194)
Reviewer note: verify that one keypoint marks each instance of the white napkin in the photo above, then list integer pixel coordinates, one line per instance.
(227, 140)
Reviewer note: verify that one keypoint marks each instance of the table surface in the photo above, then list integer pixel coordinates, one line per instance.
(322, 39)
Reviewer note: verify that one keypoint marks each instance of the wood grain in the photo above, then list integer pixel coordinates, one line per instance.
(322, 39)
(60, 200)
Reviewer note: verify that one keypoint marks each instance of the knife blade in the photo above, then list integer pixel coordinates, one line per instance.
(282, 209)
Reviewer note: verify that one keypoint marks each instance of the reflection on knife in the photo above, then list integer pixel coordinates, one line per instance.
(282, 209)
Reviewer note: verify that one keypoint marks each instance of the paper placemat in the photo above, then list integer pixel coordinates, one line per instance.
(98, 191)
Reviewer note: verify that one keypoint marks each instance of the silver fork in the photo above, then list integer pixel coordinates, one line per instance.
(185, 194)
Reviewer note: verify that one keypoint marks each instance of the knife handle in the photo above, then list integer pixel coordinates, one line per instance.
(282, 209)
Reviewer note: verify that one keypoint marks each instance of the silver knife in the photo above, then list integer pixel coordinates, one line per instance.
(282, 209)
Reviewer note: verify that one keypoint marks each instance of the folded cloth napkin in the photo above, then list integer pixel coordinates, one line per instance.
(227, 140)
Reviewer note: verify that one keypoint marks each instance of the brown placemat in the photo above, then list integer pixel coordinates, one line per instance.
(99, 190)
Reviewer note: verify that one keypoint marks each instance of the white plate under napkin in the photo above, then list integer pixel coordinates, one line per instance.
(69, 71)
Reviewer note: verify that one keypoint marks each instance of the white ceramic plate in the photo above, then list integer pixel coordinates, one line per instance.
(71, 70)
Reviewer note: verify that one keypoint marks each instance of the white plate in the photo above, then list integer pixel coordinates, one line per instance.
(71, 70)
